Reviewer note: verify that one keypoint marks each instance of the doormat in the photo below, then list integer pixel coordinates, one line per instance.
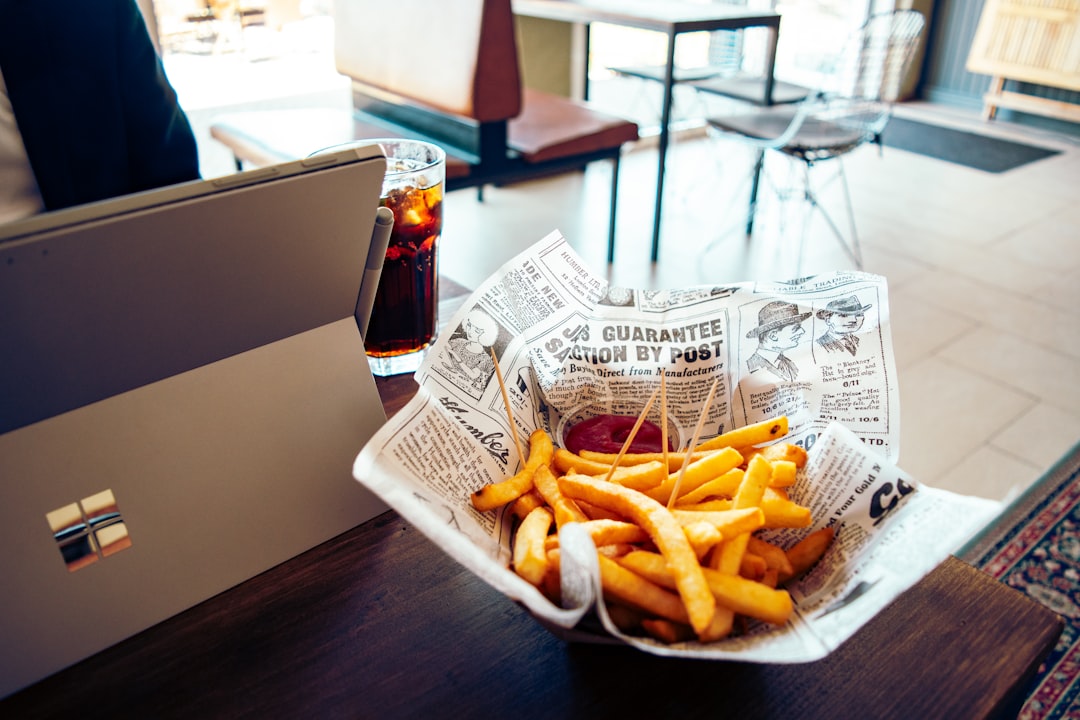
(1035, 548)
(960, 147)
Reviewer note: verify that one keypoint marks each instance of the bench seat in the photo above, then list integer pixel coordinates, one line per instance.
(551, 134)
(268, 137)
(463, 93)
(551, 126)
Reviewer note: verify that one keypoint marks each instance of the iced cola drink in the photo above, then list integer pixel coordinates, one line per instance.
(403, 318)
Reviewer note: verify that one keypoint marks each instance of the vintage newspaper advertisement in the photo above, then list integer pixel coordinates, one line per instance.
(570, 346)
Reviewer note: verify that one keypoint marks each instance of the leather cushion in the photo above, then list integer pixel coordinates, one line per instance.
(551, 126)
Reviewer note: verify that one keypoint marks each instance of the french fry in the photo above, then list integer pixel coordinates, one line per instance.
(496, 495)
(748, 435)
(615, 550)
(667, 631)
(740, 595)
(634, 590)
(642, 476)
(725, 485)
(639, 477)
(785, 451)
(774, 555)
(529, 557)
(778, 512)
(805, 553)
(727, 557)
(702, 536)
(664, 531)
(627, 619)
(773, 492)
(753, 567)
(566, 510)
(714, 505)
(783, 513)
(783, 473)
(526, 503)
(608, 532)
(675, 459)
(564, 461)
(729, 522)
(596, 513)
(697, 473)
(749, 495)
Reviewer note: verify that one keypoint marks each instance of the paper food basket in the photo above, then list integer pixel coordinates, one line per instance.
(817, 350)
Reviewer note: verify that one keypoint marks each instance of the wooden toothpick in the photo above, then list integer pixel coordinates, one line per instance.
(693, 444)
(506, 404)
(633, 433)
(663, 417)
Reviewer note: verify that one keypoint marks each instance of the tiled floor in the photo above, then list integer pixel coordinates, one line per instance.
(983, 271)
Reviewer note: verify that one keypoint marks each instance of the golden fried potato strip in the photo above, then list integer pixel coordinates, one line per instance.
(726, 485)
(566, 510)
(803, 554)
(639, 477)
(738, 594)
(529, 557)
(632, 589)
(494, 495)
(665, 532)
(697, 474)
(751, 491)
(778, 512)
(753, 567)
(774, 556)
(608, 532)
(755, 434)
(784, 474)
(729, 522)
(674, 459)
(702, 536)
(667, 631)
(526, 504)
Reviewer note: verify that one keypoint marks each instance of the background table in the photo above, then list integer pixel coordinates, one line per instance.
(672, 19)
(378, 622)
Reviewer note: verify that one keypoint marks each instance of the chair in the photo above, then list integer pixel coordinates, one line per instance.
(850, 109)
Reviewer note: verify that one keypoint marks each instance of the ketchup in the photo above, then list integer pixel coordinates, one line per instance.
(607, 433)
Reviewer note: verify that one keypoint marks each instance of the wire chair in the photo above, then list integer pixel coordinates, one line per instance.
(851, 108)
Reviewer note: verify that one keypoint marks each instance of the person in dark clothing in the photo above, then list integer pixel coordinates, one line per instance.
(85, 105)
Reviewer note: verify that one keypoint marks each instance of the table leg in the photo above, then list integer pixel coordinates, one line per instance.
(665, 128)
(585, 84)
(770, 61)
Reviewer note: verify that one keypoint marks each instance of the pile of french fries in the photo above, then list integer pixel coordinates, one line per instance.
(678, 554)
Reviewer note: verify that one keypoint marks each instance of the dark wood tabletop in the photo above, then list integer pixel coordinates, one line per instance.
(379, 622)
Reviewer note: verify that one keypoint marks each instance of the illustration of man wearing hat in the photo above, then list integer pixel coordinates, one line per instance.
(779, 328)
(845, 318)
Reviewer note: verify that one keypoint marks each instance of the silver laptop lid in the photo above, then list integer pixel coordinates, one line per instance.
(183, 389)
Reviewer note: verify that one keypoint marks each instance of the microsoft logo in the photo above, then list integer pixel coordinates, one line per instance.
(89, 530)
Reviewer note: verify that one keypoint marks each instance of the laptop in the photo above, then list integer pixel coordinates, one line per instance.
(183, 391)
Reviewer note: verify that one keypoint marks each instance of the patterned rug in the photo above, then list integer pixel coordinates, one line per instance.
(1035, 548)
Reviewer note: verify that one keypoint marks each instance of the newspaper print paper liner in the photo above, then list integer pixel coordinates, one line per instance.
(851, 584)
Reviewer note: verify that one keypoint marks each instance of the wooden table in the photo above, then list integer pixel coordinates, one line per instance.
(672, 19)
(378, 622)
